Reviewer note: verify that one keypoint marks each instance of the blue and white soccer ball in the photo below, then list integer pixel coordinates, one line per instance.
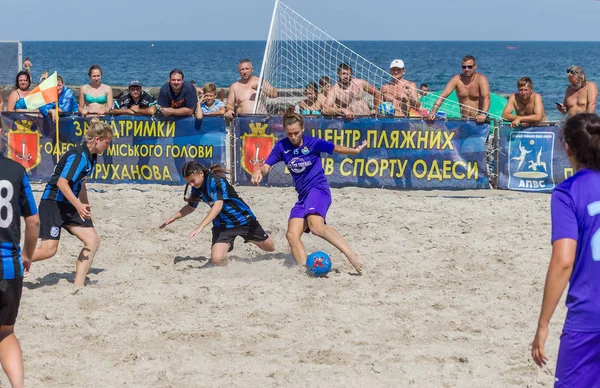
(386, 109)
(318, 264)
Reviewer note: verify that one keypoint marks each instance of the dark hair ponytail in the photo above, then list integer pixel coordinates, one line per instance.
(192, 167)
(291, 117)
(219, 170)
(582, 133)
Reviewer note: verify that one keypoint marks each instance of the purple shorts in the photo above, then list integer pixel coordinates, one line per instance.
(317, 201)
(578, 363)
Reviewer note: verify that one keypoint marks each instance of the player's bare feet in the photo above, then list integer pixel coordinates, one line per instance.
(357, 263)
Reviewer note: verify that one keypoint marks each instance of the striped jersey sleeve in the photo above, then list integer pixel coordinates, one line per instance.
(74, 166)
(218, 188)
(27, 201)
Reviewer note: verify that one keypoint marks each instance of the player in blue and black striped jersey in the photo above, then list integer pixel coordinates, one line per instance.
(65, 203)
(16, 200)
(230, 215)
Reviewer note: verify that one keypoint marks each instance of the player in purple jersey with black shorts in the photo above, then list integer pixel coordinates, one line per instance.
(302, 156)
(575, 210)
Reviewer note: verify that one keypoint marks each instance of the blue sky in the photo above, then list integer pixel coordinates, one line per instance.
(506, 20)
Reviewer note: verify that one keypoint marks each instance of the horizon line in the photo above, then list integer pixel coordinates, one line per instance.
(341, 40)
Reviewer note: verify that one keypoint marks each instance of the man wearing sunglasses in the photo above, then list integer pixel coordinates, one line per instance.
(472, 89)
(581, 94)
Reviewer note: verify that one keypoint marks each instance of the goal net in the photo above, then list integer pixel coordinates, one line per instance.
(300, 56)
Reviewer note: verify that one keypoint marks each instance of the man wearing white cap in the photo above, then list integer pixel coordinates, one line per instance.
(400, 92)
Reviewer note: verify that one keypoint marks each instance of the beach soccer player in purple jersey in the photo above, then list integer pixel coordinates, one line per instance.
(302, 156)
(575, 211)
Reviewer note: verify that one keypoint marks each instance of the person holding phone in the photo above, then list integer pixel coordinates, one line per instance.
(581, 95)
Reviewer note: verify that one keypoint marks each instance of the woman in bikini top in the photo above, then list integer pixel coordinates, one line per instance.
(95, 98)
(16, 99)
(311, 105)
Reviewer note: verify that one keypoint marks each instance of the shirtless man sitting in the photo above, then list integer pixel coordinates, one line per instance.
(580, 96)
(242, 93)
(401, 92)
(527, 104)
(347, 96)
(472, 90)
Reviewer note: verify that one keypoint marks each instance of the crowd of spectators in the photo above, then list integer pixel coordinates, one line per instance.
(347, 96)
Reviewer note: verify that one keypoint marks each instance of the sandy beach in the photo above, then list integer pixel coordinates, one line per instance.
(450, 298)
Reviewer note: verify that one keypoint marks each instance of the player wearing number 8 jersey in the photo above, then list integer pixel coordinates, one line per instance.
(16, 200)
(575, 210)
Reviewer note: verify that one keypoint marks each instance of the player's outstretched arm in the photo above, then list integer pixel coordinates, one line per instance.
(259, 172)
(187, 209)
(350, 151)
(212, 214)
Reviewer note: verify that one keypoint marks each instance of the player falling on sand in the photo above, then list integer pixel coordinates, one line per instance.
(16, 200)
(65, 202)
(575, 210)
(230, 215)
(302, 155)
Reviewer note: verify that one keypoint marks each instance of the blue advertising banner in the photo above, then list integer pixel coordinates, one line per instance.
(532, 158)
(402, 153)
(144, 149)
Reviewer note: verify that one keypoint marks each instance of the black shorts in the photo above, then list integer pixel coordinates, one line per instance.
(56, 215)
(252, 231)
(10, 298)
